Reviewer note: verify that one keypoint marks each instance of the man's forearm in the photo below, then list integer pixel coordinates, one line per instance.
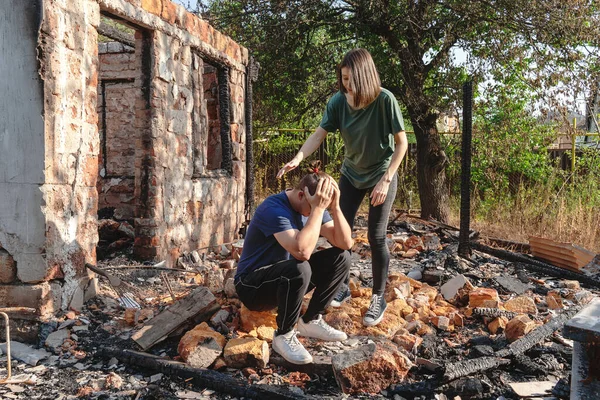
(309, 235)
(342, 233)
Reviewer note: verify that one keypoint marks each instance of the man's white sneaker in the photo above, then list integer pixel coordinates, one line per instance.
(290, 348)
(319, 329)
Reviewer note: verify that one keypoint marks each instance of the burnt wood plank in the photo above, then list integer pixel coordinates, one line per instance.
(198, 305)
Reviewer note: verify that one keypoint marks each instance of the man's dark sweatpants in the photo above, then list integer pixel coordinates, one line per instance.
(284, 284)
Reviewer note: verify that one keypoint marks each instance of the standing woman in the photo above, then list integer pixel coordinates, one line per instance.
(370, 121)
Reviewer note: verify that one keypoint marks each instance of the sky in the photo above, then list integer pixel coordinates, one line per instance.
(185, 3)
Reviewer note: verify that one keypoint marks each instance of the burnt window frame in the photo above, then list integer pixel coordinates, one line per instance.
(224, 115)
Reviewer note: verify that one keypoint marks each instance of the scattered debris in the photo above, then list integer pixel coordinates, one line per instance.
(200, 303)
(468, 328)
(25, 353)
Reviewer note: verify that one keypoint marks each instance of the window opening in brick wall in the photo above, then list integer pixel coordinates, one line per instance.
(210, 118)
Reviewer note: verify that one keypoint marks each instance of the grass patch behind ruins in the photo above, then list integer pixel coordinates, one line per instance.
(563, 210)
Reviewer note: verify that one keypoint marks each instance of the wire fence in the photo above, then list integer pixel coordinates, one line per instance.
(275, 147)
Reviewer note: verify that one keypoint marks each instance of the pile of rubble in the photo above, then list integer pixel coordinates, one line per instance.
(454, 329)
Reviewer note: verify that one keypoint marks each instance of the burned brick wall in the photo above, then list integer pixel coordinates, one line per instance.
(190, 172)
(200, 200)
(68, 152)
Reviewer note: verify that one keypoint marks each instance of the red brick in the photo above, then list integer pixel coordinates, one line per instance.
(8, 268)
(90, 170)
(182, 146)
(146, 241)
(234, 132)
(145, 253)
(153, 6)
(238, 170)
(169, 12)
(54, 272)
(192, 24)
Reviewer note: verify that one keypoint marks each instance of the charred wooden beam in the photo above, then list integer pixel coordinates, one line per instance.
(115, 34)
(467, 367)
(205, 378)
(528, 366)
(509, 244)
(537, 335)
(198, 306)
(537, 266)
(493, 312)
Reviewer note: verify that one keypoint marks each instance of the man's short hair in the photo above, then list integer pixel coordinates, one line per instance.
(310, 181)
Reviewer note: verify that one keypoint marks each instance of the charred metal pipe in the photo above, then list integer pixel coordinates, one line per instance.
(224, 116)
(251, 76)
(3, 312)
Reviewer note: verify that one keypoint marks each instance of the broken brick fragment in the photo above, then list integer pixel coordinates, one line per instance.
(518, 327)
(441, 322)
(201, 346)
(369, 369)
(484, 297)
(522, 305)
(253, 319)
(498, 325)
(456, 290)
(408, 341)
(554, 301)
(246, 352)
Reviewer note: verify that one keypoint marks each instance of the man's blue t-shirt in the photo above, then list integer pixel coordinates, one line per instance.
(274, 215)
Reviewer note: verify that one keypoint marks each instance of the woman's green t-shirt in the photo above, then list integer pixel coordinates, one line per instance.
(368, 135)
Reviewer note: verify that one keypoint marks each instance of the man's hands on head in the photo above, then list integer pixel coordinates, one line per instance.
(326, 191)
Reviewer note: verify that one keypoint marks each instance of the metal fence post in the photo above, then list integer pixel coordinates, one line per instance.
(573, 145)
(464, 248)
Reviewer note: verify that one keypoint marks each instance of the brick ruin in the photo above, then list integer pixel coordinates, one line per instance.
(149, 128)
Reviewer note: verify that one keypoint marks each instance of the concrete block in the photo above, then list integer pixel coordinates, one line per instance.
(44, 297)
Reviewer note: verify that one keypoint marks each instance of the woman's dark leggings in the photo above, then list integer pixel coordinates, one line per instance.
(350, 200)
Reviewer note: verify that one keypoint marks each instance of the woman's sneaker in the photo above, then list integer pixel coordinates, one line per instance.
(319, 329)
(374, 314)
(290, 348)
(341, 296)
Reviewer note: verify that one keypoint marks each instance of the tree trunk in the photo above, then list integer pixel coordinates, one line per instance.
(431, 164)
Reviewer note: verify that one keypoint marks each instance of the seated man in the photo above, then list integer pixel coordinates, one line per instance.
(278, 267)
